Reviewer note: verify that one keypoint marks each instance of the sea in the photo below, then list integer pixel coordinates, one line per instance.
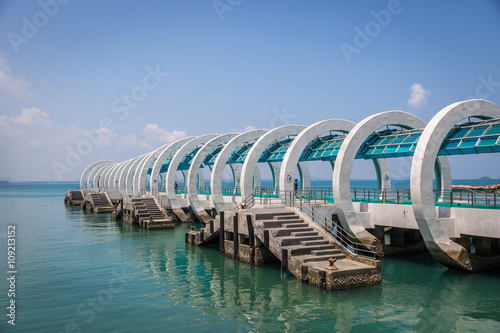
(75, 271)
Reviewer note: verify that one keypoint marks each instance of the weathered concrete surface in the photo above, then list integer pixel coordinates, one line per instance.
(436, 237)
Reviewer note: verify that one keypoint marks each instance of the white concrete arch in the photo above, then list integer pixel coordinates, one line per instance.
(345, 160)
(195, 168)
(83, 179)
(108, 176)
(129, 181)
(248, 170)
(99, 176)
(275, 172)
(161, 159)
(122, 180)
(140, 176)
(220, 163)
(138, 189)
(91, 185)
(116, 176)
(172, 173)
(435, 236)
(304, 175)
(291, 158)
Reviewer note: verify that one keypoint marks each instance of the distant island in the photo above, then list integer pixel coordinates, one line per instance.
(485, 178)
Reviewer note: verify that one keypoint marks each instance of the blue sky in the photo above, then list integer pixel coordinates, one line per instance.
(198, 67)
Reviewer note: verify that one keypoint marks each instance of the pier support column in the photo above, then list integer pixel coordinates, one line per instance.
(221, 234)
(412, 236)
(483, 246)
(397, 237)
(379, 232)
(464, 241)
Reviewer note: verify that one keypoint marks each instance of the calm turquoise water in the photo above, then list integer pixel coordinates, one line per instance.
(84, 272)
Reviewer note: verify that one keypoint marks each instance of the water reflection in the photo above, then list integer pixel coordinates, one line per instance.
(417, 293)
(197, 286)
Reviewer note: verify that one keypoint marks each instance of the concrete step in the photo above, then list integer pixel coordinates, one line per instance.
(325, 252)
(277, 224)
(287, 231)
(286, 217)
(296, 250)
(271, 215)
(301, 233)
(295, 225)
(291, 240)
(312, 258)
(316, 242)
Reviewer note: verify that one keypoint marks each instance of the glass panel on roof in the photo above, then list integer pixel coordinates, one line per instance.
(451, 144)
(477, 131)
(460, 133)
(328, 152)
(391, 149)
(487, 142)
(399, 139)
(468, 143)
(413, 138)
(335, 143)
(495, 129)
(387, 140)
(370, 150)
(377, 141)
(380, 150)
(404, 148)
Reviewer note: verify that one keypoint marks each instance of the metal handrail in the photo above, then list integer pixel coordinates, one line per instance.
(249, 202)
(333, 228)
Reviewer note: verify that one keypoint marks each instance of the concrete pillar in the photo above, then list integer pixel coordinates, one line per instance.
(397, 237)
(464, 241)
(495, 246)
(483, 246)
(242, 239)
(378, 232)
(412, 236)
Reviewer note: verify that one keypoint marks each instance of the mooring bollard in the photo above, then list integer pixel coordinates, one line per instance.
(221, 234)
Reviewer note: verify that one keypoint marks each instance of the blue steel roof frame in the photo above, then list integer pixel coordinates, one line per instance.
(323, 148)
(240, 153)
(390, 143)
(469, 138)
(212, 156)
(186, 160)
(276, 152)
(478, 137)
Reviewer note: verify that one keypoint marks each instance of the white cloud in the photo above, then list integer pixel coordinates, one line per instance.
(31, 136)
(32, 115)
(246, 129)
(157, 136)
(10, 85)
(418, 96)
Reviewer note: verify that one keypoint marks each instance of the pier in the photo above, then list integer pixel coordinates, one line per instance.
(303, 227)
